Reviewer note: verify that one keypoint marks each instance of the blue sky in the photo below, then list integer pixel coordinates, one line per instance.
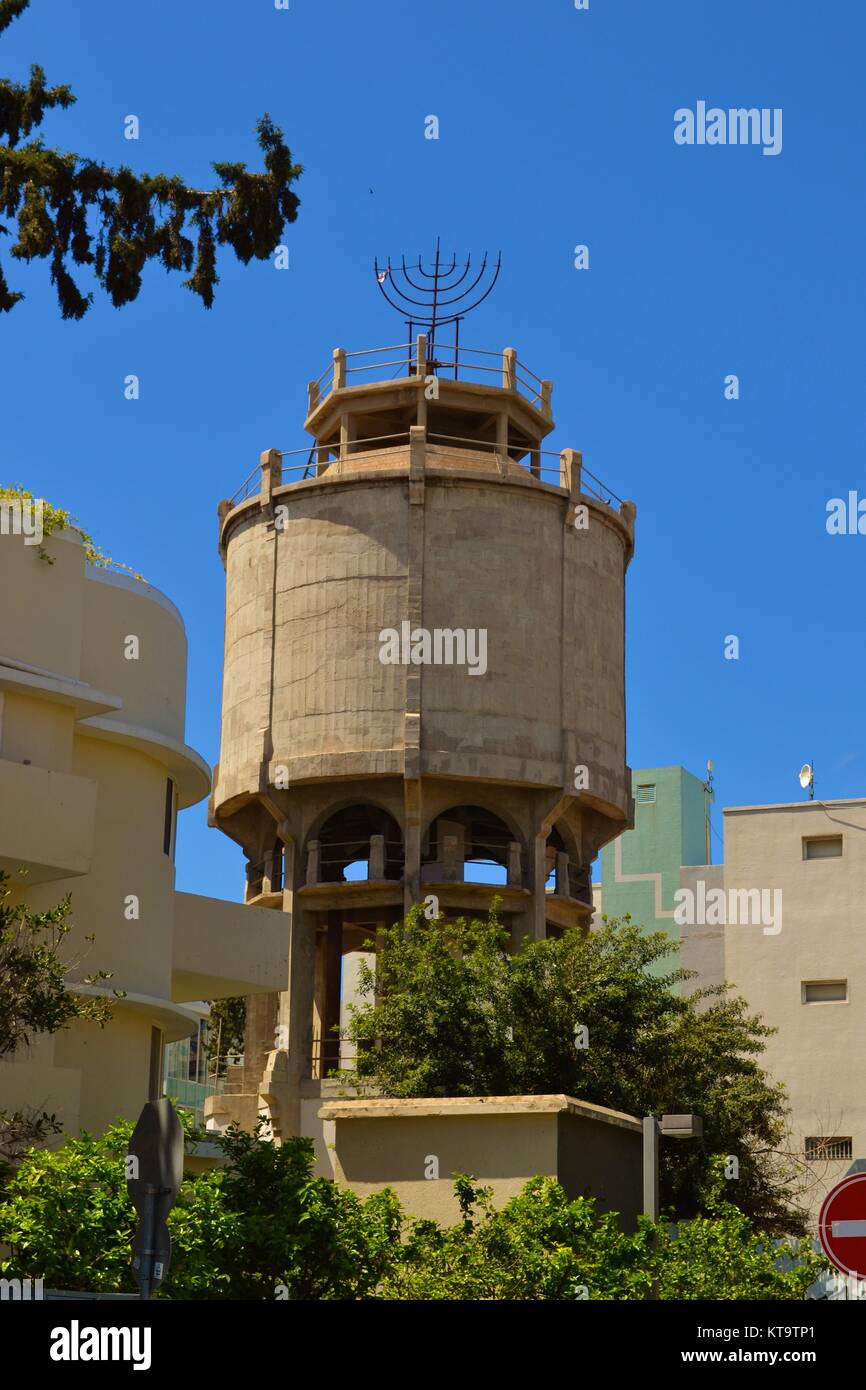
(556, 128)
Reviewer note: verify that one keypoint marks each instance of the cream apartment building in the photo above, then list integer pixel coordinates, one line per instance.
(94, 769)
(805, 972)
(783, 920)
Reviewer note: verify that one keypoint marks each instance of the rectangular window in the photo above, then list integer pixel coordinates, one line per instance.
(646, 794)
(828, 1147)
(825, 991)
(823, 847)
(169, 822)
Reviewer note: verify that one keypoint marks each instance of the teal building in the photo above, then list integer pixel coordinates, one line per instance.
(641, 869)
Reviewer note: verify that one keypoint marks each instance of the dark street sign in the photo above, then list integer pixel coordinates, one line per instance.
(154, 1172)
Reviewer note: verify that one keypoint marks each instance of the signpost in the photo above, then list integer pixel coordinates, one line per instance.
(154, 1168)
(842, 1225)
(668, 1127)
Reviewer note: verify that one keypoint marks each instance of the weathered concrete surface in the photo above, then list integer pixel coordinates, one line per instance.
(416, 1146)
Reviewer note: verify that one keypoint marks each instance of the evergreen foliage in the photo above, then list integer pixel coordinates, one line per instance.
(112, 222)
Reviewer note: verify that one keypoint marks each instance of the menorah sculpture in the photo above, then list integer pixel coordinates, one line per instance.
(443, 302)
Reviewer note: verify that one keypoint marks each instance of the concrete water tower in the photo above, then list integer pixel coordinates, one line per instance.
(424, 675)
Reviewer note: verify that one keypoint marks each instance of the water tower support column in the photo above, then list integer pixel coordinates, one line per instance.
(412, 715)
(412, 842)
(539, 878)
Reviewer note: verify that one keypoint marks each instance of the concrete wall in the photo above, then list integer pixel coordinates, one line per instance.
(47, 818)
(153, 688)
(338, 573)
(818, 1047)
(602, 1161)
(114, 1068)
(702, 946)
(31, 1078)
(502, 1142)
(55, 640)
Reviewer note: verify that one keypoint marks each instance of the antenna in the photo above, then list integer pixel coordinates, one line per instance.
(807, 779)
(441, 300)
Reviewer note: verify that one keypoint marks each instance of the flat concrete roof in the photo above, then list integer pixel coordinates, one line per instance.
(392, 1108)
(815, 805)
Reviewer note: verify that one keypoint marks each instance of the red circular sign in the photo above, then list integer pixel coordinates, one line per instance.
(842, 1225)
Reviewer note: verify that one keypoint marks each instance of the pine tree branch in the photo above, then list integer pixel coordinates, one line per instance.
(10, 10)
(113, 221)
(22, 109)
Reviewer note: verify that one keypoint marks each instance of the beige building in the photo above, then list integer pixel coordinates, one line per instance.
(782, 921)
(93, 771)
(802, 965)
(424, 678)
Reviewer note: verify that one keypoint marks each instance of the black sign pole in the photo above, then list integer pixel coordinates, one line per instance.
(148, 1222)
(156, 1148)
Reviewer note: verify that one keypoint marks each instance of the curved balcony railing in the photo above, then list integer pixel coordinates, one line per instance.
(298, 465)
(501, 369)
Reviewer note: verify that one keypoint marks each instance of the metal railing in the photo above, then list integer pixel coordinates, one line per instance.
(324, 1057)
(315, 459)
(362, 847)
(358, 851)
(831, 1148)
(412, 359)
(250, 486)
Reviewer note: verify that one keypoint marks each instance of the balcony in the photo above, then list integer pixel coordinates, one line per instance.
(374, 409)
(411, 362)
(46, 822)
(279, 468)
(223, 949)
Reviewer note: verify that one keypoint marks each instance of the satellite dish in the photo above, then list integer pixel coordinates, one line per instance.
(806, 775)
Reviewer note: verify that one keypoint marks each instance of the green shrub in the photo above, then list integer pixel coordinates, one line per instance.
(241, 1232)
(542, 1246)
(265, 1228)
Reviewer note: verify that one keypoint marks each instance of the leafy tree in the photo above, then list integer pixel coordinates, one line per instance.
(66, 1214)
(225, 1031)
(290, 1230)
(262, 1228)
(35, 998)
(442, 1026)
(114, 221)
(456, 1015)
